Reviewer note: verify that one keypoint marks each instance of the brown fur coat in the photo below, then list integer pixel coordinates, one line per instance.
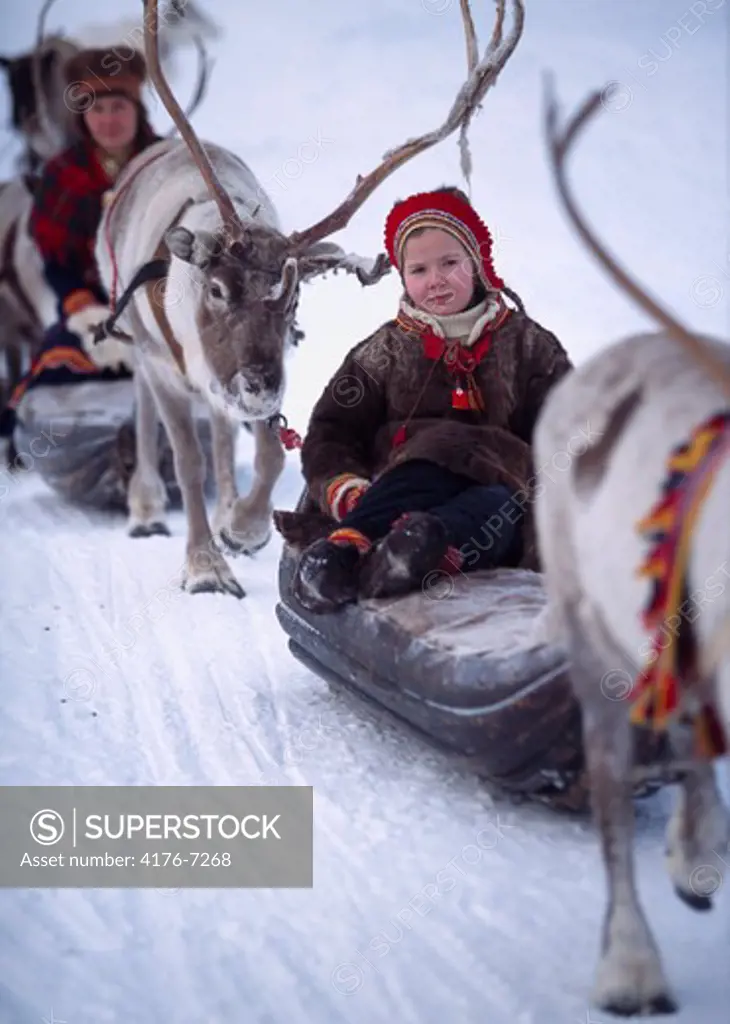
(387, 378)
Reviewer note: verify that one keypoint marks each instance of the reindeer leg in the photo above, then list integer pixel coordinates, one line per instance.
(147, 496)
(224, 463)
(206, 568)
(249, 527)
(14, 356)
(14, 362)
(698, 838)
(630, 978)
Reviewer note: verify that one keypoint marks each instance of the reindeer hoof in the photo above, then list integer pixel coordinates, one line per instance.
(695, 886)
(633, 984)
(156, 529)
(693, 899)
(246, 528)
(211, 576)
(242, 547)
(655, 1007)
(215, 586)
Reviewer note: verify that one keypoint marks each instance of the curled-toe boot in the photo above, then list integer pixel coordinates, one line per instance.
(415, 546)
(327, 573)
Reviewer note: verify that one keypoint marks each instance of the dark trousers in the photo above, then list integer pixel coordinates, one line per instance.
(483, 523)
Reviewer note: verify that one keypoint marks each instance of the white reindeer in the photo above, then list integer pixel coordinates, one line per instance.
(642, 397)
(224, 323)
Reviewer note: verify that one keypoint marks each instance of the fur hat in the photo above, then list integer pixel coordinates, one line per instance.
(107, 71)
(445, 210)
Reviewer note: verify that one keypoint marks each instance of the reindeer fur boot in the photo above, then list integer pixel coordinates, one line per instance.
(327, 574)
(416, 545)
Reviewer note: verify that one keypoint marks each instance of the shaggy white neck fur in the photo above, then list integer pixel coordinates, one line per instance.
(465, 326)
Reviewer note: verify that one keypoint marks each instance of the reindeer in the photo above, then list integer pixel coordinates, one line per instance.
(642, 397)
(40, 110)
(220, 321)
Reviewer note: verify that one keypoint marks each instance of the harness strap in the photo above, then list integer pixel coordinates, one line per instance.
(156, 299)
(153, 270)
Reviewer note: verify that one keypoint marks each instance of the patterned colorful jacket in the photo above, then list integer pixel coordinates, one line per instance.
(64, 222)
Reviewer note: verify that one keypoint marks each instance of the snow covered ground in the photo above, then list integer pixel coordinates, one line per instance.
(110, 675)
(430, 901)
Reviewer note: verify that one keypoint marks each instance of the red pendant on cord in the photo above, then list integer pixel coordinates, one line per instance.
(399, 437)
(459, 398)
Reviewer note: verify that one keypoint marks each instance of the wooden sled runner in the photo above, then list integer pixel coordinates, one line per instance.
(80, 439)
(470, 669)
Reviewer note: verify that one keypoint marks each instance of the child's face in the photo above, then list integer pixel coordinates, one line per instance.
(437, 272)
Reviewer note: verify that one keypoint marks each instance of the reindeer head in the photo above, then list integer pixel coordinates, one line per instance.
(245, 292)
(19, 71)
(36, 85)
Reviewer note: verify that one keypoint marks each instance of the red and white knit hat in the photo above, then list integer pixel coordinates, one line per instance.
(447, 212)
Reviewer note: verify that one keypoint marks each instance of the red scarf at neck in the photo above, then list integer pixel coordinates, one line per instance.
(459, 360)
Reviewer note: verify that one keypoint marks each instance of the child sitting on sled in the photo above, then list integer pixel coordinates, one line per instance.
(418, 452)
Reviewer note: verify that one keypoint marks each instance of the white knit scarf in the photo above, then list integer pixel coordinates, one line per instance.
(466, 326)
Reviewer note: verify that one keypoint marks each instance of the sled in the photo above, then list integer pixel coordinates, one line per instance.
(471, 669)
(80, 438)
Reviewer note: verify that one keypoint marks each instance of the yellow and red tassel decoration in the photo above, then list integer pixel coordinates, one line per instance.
(656, 696)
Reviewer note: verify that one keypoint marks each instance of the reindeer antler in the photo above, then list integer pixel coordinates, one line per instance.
(204, 69)
(472, 47)
(232, 221)
(472, 59)
(481, 77)
(46, 125)
(559, 146)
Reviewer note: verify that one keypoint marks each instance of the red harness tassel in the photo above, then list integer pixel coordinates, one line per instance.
(289, 438)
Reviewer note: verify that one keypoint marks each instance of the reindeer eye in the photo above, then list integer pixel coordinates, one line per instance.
(216, 291)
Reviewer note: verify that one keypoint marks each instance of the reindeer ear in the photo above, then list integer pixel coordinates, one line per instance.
(193, 247)
(180, 243)
(319, 258)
